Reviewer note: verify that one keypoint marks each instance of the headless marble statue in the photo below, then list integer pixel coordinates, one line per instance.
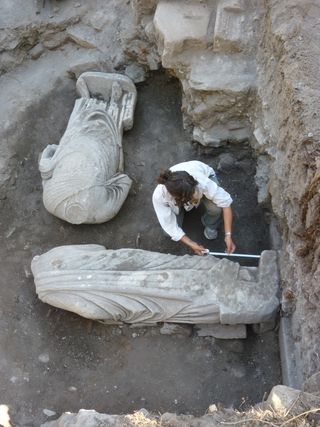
(82, 177)
(137, 286)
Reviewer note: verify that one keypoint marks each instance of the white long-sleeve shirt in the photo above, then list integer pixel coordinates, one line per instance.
(166, 208)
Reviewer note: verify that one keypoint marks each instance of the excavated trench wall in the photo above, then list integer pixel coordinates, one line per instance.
(289, 116)
(278, 106)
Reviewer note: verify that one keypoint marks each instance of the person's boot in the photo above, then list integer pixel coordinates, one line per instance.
(210, 233)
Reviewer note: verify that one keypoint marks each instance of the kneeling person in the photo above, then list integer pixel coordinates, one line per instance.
(183, 187)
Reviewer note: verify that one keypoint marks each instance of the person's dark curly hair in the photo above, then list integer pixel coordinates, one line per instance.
(180, 185)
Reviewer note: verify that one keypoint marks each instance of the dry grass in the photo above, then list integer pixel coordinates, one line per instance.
(268, 417)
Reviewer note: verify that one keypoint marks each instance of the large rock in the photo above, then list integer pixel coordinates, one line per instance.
(136, 286)
(284, 400)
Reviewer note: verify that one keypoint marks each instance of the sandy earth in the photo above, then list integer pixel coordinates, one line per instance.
(51, 359)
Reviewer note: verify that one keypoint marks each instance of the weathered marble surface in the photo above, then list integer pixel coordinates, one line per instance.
(137, 286)
(82, 177)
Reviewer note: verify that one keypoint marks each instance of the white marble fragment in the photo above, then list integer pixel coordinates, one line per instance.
(137, 286)
(82, 177)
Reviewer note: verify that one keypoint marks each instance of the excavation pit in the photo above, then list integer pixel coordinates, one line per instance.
(56, 360)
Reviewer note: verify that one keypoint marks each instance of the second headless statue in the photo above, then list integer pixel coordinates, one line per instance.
(82, 177)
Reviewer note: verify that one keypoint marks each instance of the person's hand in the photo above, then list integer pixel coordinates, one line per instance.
(198, 249)
(230, 246)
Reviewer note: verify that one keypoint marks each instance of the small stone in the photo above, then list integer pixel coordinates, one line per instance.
(83, 36)
(77, 4)
(27, 272)
(174, 329)
(212, 408)
(134, 335)
(136, 73)
(44, 358)
(226, 162)
(36, 51)
(10, 232)
(175, 401)
(72, 388)
(310, 135)
(48, 412)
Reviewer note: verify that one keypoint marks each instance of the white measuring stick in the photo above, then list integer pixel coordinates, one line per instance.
(226, 254)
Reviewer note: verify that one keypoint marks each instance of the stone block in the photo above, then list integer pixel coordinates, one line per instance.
(175, 329)
(219, 72)
(222, 331)
(83, 35)
(218, 135)
(230, 31)
(180, 26)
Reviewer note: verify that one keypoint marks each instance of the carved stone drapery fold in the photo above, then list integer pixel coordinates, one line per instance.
(137, 286)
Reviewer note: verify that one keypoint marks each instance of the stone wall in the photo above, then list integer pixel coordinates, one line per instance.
(210, 46)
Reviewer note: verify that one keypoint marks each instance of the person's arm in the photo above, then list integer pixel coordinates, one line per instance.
(168, 222)
(197, 249)
(227, 219)
(166, 216)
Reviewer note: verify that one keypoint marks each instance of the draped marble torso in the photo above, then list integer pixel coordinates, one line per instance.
(137, 286)
(82, 177)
